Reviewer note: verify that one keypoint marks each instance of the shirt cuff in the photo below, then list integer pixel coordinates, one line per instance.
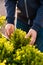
(35, 27)
(10, 20)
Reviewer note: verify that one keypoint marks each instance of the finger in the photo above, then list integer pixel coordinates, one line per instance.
(28, 35)
(32, 40)
(11, 29)
(7, 32)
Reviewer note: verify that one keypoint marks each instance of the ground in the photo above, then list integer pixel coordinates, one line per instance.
(2, 8)
(2, 11)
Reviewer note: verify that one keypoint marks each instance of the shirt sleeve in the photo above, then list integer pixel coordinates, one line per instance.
(38, 21)
(10, 9)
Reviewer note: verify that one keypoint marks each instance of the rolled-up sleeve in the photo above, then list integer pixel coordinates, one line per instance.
(38, 21)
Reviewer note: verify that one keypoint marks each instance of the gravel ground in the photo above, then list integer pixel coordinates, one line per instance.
(2, 11)
(2, 8)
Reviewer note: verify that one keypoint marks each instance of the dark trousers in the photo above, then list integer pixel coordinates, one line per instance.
(24, 26)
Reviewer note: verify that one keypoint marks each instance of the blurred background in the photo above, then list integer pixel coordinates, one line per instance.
(2, 8)
(2, 12)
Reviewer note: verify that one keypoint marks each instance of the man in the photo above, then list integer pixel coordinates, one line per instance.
(30, 19)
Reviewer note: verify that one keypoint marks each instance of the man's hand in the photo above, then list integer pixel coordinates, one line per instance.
(33, 35)
(9, 28)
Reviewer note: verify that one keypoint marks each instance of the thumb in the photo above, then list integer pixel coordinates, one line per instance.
(28, 35)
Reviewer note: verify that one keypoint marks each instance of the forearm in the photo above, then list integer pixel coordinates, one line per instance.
(10, 9)
(38, 22)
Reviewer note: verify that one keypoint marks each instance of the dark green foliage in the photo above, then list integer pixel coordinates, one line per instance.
(18, 38)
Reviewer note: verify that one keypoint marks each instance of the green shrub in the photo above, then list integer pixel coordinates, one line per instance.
(18, 51)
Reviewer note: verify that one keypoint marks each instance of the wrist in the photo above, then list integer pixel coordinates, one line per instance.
(8, 25)
(35, 27)
(10, 20)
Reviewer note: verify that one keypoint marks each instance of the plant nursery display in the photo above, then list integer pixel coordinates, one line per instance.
(18, 51)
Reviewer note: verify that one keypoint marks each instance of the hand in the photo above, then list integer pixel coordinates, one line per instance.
(33, 35)
(9, 28)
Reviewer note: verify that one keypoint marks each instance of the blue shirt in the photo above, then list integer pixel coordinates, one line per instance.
(35, 10)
